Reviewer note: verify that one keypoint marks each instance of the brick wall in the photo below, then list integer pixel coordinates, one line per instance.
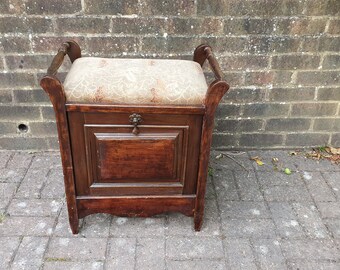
(281, 58)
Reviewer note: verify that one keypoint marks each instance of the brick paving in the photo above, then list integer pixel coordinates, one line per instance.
(256, 218)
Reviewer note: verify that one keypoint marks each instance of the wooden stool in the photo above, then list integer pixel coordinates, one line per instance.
(134, 134)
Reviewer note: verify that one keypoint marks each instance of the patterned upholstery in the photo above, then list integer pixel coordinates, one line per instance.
(135, 81)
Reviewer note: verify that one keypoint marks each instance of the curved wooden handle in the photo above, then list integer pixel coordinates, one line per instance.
(58, 59)
(213, 63)
(71, 48)
(204, 52)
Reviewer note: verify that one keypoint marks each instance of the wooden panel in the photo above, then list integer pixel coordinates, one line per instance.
(83, 127)
(127, 189)
(125, 155)
(136, 206)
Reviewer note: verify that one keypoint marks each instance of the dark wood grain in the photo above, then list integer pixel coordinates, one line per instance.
(54, 89)
(110, 108)
(136, 206)
(214, 94)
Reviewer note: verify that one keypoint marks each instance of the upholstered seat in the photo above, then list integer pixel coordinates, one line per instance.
(135, 81)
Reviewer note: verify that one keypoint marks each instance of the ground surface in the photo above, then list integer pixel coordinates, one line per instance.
(256, 218)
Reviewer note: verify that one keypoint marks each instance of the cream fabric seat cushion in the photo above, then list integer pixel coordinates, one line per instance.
(135, 81)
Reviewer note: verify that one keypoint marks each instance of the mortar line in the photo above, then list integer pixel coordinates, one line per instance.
(226, 259)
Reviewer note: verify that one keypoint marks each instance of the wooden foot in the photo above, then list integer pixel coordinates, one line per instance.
(198, 221)
(74, 224)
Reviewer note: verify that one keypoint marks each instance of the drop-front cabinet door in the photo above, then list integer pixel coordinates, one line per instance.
(112, 157)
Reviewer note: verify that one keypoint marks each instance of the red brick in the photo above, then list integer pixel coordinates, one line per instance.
(83, 25)
(138, 25)
(326, 7)
(334, 27)
(300, 26)
(295, 62)
(307, 139)
(15, 45)
(261, 140)
(174, 7)
(287, 124)
(313, 109)
(243, 62)
(331, 61)
(291, 94)
(54, 7)
(195, 26)
(104, 7)
(106, 46)
(329, 94)
(318, 78)
(14, 80)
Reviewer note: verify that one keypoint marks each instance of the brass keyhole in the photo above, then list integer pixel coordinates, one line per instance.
(135, 120)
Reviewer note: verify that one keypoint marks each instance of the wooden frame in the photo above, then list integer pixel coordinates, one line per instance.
(80, 206)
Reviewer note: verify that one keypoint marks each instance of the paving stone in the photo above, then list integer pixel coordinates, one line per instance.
(32, 184)
(310, 249)
(281, 210)
(310, 220)
(242, 228)
(7, 191)
(96, 225)
(178, 224)
(312, 265)
(150, 254)
(4, 158)
(20, 160)
(50, 160)
(248, 186)
(210, 191)
(54, 186)
(122, 253)
(12, 175)
(329, 209)
(77, 249)
(137, 227)
(225, 185)
(185, 248)
(285, 161)
(305, 164)
(317, 187)
(333, 226)
(30, 253)
(243, 210)
(239, 254)
(289, 228)
(229, 163)
(196, 264)
(268, 254)
(268, 179)
(34, 207)
(28, 226)
(333, 179)
(8, 246)
(287, 193)
(62, 265)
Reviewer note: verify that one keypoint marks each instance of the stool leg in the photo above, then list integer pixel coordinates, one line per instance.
(54, 88)
(74, 223)
(214, 94)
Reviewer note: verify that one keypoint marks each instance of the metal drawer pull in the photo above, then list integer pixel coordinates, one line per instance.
(135, 120)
